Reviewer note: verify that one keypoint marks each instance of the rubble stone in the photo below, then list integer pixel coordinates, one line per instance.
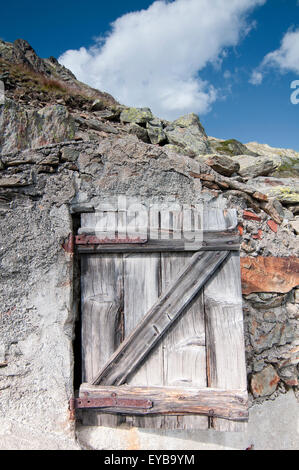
(269, 274)
(264, 383)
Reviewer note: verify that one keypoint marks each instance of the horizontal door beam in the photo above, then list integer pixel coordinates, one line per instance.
(163, 242)
(145, 401)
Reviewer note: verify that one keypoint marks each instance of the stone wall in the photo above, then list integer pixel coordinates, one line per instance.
(41, 191)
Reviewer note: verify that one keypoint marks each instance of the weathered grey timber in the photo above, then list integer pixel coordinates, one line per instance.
(165, 311)
(184, 352)
(227, 404)
(224, 325)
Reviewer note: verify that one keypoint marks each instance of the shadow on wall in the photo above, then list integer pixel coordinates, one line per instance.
(274, 425)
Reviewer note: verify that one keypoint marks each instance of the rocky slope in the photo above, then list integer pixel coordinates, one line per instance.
(63, 145)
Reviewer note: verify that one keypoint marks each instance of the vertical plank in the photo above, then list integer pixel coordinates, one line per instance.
(184, 353)
(141, 290)
(224, 322)
(102, 310)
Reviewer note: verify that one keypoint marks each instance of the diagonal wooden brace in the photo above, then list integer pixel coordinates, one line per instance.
(160, 317)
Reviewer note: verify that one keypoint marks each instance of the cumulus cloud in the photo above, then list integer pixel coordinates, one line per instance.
(285, 59)
(256, 78)
(153, 57)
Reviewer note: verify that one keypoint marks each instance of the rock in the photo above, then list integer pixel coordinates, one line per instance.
(155, 132)
(289, 375)
(139, 131)
(229, 147)
(291, 357)
(295, 225)
(269, 274)
(97, 105)
(264, 383)
(286, 190)
(251, 167)
(224, 165)
(95, 125)
(261, 339)
(21, 128)
(288, 159)
(248, 247)
(294, 209)
(276, 301)
(174, 148)
(29, 156)
(136, 115)
(69, 154)
(203, 176)
(188, 134)
(188, 120)
(111, 113)
(273, 208)
(13, 181)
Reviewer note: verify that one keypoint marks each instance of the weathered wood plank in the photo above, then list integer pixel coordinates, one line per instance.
(101, 305)
(141, 291)
(160, 317)
(212, 240)
(224, 324)
(184, 353)
(226, 404)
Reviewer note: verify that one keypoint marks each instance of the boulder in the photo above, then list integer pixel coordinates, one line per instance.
(224, 165)
(21, 128)
(136, 115)
(139, 131)
(229, 147)
(155, 131)
(251, 167)
(188, 134)
(288, 158)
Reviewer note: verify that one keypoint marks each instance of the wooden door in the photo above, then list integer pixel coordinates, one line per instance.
(167, 325)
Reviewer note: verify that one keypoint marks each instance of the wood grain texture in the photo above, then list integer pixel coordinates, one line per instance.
(141, 291)
(184, 353)
(227, 404)
(175, 332)
(101, 305)
(211, 240)
(162, 315)
(224, 324)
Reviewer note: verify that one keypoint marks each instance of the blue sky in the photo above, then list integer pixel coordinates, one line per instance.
(179, 56)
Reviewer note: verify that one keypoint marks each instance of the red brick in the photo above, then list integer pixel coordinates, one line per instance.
(241, 230)
(273, 225)
(251, 216)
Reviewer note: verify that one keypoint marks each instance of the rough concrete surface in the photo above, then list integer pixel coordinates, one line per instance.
(272, 426)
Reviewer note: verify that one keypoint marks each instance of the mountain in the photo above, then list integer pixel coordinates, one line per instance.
(45, 104)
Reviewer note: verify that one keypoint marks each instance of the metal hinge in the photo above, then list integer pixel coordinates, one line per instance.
(94, 240)
(108, 402)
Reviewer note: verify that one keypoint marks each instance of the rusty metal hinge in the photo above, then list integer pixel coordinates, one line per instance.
(94, 240)
(108, 402)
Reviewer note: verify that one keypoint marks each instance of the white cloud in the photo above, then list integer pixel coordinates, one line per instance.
(152, 57)
(256, 78)
(285, 59)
